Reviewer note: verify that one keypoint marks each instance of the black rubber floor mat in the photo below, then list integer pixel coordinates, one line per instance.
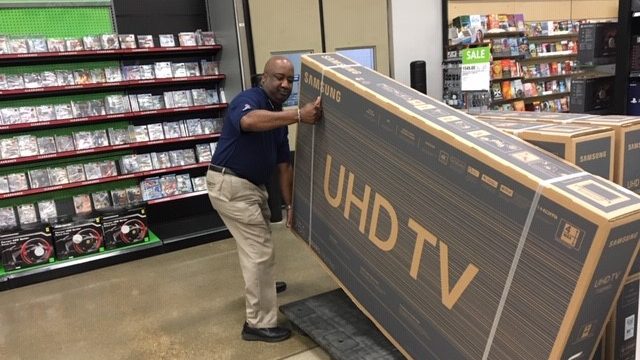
(334, 322)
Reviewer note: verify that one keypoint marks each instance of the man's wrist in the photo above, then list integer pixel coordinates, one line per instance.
(298, 109)
(288, 207)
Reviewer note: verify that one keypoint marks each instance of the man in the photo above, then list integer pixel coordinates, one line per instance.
(254, 143)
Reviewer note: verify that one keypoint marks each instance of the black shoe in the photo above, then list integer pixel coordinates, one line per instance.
(273, 334)
(280, 286)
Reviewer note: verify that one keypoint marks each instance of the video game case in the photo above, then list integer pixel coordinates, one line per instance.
(213, 146)
(183, 183)
(179, 70)
(133, 102)
(182, 98)
(28, 145)
(100, 138)
(8, 218)
(109, 41)
(46, 112)
(127, 41)
(207, 126)
(145, 102)
(212, 96)
(73, 44)
(194, 127)
(119, 198)
(117, 104)
(91, 42)
(81, 108)
(172, 130)
(82, 204)
(199, 97)
(9, 148)
(168, 100)
(47, 145)
(206, 37)
(163, 70)
(199, 183)
(221, 96)
(64, 143)
(39, 178)
(18, 46)
(4, 184)
(189, 156)
(27, 214)
(169, 185)
(82, 77)
(28, 114)
(10, 116)
(151, 188)
(4, 44)
(48, 78)
(75, 173)
(3, 82)
(167, 40)
(63, 111)
(192, 69)
(177, 158)
(134, 195)
(132, 72)
(96, 107)
(187, 39)
(147, 72)
(209, 67)
(144, 162)
(158, 102)
(18, 182)
(83, 140)
(101, 200)
(56, 45)
(129, 164)
(98, 76)
(14, 81)
(140, 133)
(37, 44)
(145, 41)
(92, 171)
(47, 210)
(108, 168)
(64, 78)
(203, 153)
(32, 80)
(113, 74)
(155, 131)
(118, 136)
(160, 160)
(58, 176)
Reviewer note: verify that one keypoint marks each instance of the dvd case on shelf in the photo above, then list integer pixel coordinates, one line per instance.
(199, 183)
(8, 218)
(63, 111)
(58, 176)
(64, 77)
(113, 74)
(73, 44)
(163, 70)
(189, 156)
(155, 131)
(64, 143)
(127, 41)
(207, 126)
(28, 145)
(212, 96)
(158, 102)
(10, 116)
(145, 102)
(160, 160)
(179, 70)
(203, 152)
(117, 104)
(134, 194)
(98, 76)
(151, 188)
(199, 97)
(145, 41)
(37, 44)
(119, 198)
(82, 204)
(187, 39)
(118, 136)
(207, 37)
(140, 133)
(166, 40)
(192, 69)
(3, 82)
(47, 210)
(45, 112)
(169, 185)
(4, 44)
(221, 96)
(96, 107)
(172, 130)
(91, 42)
(28, 114)
(92, 171)
(81, 108)
(193, 127)
(168, 100)
(209, 67)
(83, 140)
(100, 138)
(56, 45)
(4, 184)
(18, 182)
(183, 183)
(27, 214)
(129, 164)
(18, 46)
(81, 76)
(39, 178)
(147, 72)
(132, 72)
(75, 173)
(47, 145)
(144, 162)
(213, 146)
(9, 148)
(133, 102)
(177, 158)
(48, 78)
(32, 80)
(15, 81)
(108, 168)
(101, 200)
(109, 41)
(182, 98)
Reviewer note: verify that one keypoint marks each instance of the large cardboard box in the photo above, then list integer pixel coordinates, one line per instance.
(459, 241)
(589, 147)
(622, 334)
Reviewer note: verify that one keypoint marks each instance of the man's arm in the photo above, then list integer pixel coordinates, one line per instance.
(263, 120)
(285, 172)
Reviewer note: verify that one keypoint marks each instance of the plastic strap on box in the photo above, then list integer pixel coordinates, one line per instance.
(514, 264)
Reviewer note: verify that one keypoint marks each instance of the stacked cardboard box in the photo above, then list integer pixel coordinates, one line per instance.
(458, 240)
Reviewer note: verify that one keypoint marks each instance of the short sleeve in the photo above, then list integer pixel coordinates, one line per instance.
(239, 107)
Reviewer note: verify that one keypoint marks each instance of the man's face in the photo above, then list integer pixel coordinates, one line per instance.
(277, 81)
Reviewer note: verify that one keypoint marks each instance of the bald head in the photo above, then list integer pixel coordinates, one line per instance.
(277, 78)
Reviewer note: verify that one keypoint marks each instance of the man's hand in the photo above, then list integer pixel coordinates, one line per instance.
(311, 113)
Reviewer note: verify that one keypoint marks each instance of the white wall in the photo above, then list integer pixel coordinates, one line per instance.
(416, 33)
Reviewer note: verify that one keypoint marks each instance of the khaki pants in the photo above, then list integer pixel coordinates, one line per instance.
(244, 209)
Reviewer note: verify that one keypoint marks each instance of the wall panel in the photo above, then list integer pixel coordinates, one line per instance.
(537, 9)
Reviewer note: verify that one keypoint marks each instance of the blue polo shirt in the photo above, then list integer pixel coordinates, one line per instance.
(251, 155)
